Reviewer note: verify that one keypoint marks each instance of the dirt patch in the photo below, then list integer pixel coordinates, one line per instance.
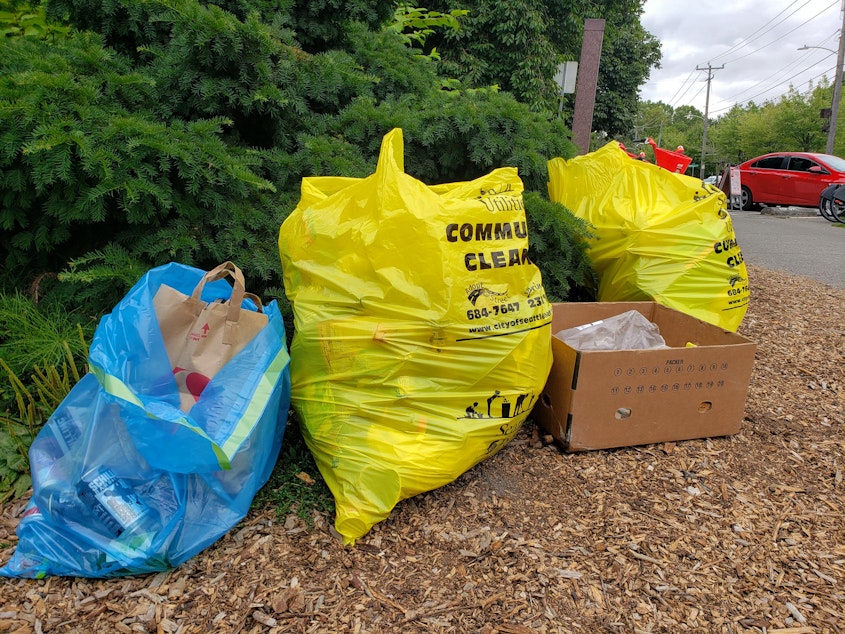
(737, 534)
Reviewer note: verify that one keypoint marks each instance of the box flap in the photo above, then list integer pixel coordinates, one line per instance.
(553, 406)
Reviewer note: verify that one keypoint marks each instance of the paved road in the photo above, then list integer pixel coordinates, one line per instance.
(801, 245)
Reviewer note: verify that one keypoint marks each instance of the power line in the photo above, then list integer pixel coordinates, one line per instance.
(779, 74)
(750, 38)
(699, 91)
(674, 101)
(788, 79)
(684, 92)
(780, 37)
(747, 41)
(767, 90)
(684, 83)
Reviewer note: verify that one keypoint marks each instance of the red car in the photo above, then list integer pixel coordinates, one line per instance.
(789, 178)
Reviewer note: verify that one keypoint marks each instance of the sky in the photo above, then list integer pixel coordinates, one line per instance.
(750, 47)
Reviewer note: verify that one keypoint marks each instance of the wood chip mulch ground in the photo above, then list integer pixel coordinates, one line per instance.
(723, 535)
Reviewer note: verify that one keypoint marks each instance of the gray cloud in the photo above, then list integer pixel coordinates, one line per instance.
(755, 40)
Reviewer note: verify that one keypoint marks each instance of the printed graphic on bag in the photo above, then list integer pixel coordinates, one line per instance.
(191, 382)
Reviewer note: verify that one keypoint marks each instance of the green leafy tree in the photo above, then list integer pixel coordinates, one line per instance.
(18, 19)
(651, 119)
(669, 128)
(130, 25)
(518, 46)
(797, 120)
(414, 25)
(819, 98)
(727, 136)
(500, 44)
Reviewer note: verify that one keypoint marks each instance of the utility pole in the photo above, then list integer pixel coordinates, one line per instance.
(709, 70)
(837, 89)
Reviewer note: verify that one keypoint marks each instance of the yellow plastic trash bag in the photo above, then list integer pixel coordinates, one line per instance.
(422, 330)
(659, 236)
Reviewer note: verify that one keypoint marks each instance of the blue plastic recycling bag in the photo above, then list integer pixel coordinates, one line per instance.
(124, 481)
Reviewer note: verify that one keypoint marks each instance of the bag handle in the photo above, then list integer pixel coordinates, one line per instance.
(238, 293)
(256, 300)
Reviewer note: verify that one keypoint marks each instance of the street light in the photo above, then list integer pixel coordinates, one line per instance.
(837, 86)
(824, 48)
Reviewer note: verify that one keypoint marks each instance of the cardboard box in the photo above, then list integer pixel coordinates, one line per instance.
(617, 398)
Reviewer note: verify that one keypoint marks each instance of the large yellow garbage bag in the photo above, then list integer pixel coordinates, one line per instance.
(422, 330)
(659, 236)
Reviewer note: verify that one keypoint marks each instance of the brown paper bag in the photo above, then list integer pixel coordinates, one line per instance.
(201, 337)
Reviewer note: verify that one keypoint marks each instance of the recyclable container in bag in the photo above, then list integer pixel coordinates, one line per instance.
(138, 469)
(422, 331)
(659, 236)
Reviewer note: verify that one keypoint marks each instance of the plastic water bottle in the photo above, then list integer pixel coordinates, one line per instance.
(65, 430)
(50, 466)
(52, 444)
(128, 519)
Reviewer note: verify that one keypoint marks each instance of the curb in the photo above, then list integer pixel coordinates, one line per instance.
(804, 212)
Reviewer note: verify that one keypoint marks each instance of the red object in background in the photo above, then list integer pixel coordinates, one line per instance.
(789, 178)
(640, 157)
(627, 151)
(677, 161)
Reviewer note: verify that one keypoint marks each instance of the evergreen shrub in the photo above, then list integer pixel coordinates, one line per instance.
(176, 130)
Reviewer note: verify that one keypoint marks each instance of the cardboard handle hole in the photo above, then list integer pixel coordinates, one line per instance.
(704, 406)
(546, 400)
(623, 413)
